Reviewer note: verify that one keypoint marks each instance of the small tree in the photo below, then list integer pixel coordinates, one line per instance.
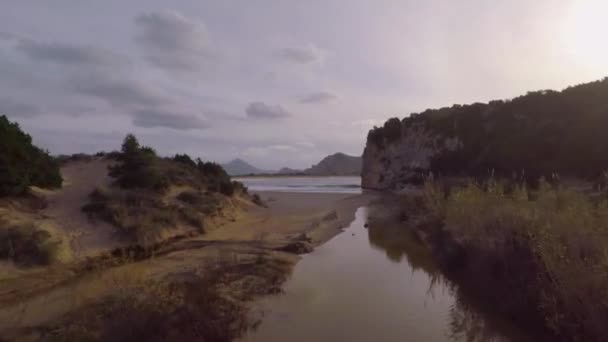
(138, 167)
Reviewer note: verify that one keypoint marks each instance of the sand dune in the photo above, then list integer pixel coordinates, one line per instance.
(86, 237)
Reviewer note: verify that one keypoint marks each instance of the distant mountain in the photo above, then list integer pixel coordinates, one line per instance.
(239, 167)
(288, 171)
(338, 164)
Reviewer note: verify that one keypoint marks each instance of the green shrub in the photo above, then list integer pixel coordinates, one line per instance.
(138, 167)
(184, 159)
(22, 164)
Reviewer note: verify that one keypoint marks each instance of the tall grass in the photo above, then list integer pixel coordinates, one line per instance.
(548, 248)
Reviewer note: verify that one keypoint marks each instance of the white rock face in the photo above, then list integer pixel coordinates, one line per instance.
(394, 165)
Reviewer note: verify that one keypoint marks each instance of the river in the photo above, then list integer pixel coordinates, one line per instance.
(337, 184)
(373, 284)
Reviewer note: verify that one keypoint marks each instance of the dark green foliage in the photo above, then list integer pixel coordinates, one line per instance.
(212, 170)
(138, 167)
(227, 188)
(392, 130)
(184, 159)
(22, 164)
(540, 133)
(217, 178)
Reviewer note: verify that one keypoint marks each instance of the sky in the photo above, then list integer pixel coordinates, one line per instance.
(276, 82)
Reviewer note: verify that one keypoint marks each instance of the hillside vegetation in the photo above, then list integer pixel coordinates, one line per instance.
(154, 198)
(22, 164)
(537, 134)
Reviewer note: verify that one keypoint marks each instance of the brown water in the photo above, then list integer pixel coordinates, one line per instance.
(376, 284)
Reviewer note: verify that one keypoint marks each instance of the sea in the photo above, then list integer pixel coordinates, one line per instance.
(337, 184)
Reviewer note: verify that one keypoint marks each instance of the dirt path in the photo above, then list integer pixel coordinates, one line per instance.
(64, 208)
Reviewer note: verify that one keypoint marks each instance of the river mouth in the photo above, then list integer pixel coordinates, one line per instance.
(375, 283)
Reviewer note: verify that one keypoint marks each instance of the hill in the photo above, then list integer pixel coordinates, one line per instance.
(542, 133)
(338, 164)
(239, 167)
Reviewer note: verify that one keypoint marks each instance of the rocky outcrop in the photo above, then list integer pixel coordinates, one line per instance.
(405, 160)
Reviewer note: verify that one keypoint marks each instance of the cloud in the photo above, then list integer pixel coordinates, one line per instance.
(304, 144)
(8, 36)
(70, 54)
(308, 54)
(318, 97)
(172, 41)
(260, 110)
(13, 108)
(118, 92)
(149, 118)
(281, 147)
(367, 123)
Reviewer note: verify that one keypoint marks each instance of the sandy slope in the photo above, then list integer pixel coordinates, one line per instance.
(64, 208)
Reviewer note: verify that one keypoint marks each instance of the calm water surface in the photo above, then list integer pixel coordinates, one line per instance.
(351, 185)
(372, 284)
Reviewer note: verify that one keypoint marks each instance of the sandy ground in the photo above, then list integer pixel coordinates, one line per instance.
(84, 236)
(289, 214)
(256, 230)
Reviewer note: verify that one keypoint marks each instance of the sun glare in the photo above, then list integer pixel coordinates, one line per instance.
(586, 34)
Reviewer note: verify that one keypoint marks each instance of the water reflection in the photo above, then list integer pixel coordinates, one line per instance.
(374, 284)
(468, 321)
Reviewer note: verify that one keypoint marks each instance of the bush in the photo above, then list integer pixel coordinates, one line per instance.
(544, 250)
(27, 245)
(22, 164)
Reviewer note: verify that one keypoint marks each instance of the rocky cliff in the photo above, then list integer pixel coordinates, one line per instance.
(394, 164)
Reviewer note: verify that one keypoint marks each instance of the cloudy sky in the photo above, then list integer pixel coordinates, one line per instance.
(276, 82)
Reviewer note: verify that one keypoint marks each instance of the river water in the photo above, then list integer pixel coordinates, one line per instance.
(373, 284)
(338, 184)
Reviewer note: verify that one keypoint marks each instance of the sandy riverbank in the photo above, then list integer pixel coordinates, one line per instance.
(253, 240)
(289, 214)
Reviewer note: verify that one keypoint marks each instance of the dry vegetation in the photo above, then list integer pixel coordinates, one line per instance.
(143, 204)
(540, 256)
(209, 304)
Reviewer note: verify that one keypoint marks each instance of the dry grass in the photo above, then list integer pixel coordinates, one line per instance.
(146, 217)
(204, 305)
(545, 251)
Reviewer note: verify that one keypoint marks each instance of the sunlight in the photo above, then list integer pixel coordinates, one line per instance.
(585, 33)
